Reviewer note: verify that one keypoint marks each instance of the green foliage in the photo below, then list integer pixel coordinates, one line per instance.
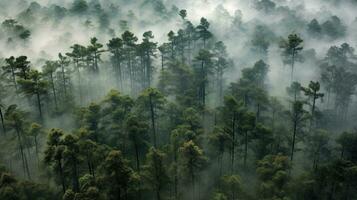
(177, 129)
(14, 29)
(273, 172)
(291, 49)
(79, 7)
(155, 172)
(117, 175)
(14, 189)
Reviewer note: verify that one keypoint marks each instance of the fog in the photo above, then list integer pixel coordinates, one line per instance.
(196, 103)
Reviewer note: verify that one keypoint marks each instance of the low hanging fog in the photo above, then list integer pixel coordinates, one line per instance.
(178, 99)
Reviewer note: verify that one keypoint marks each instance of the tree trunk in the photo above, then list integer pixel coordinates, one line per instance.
(175, 175)
(203, 92)
(14, 78)
(39, 105)
(152, 113)
(37, 152)
(2, 122)
(220, 89)
(64, 80)
(245, 147)
(130, 74)
(292, 65)
(54, 91)
(293, 143)
(75, 178)
(258, 114)
(23, 156)
(233, 143)
(220, 160)
(137, 157)
(313, 111)
(79, 82)
(61, 175)
(96, 69)
(119, 71)
(193, 185)
(158, 186)
(148, 68)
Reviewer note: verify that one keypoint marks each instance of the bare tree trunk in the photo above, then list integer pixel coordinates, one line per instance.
(23, 156)
(64, 80)
(54, 91)
(2, 122)
(245, 147)
(233, 143)
(39, 104)
(37, 153)
(292, 65)
(137, 157)
(62, 176)
(293, 143)
(152, 112)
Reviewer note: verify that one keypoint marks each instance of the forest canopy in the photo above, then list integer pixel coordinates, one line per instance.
(178, 100)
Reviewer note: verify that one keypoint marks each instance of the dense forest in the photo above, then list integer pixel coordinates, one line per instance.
(178, 100)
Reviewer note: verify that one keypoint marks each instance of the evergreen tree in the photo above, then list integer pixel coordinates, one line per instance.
(155, 172)
(291, 48)
(34, 85)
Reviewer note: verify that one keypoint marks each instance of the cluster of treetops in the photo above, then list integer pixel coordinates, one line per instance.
(171, 128)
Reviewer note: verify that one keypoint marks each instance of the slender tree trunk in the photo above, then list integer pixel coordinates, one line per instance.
(316, 158)
(175, 175)
(157, 176)
(119, 71)
(96, 68)
(61, 175)
(37, 152)
(293, 143)
(75, 178)
(54, 91)
(27, 167)
(2, 121)
(131, 74)
(23, 156)
(79, 82)
(233, 143)
(193, 185)
(313, 111)
(152, 113)
(203, 85)
(220, 89)
(14, 78)
(64, 80)
(172, 51)
(137, 157)
(292, 65)
(328, 97)
(39, 104)
(158, 196)
(245, 147)
(233, 193)
(258, 114)
(90, 166)
(220, 160)
(148, 68)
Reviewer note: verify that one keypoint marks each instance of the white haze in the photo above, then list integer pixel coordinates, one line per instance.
(48, 39)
